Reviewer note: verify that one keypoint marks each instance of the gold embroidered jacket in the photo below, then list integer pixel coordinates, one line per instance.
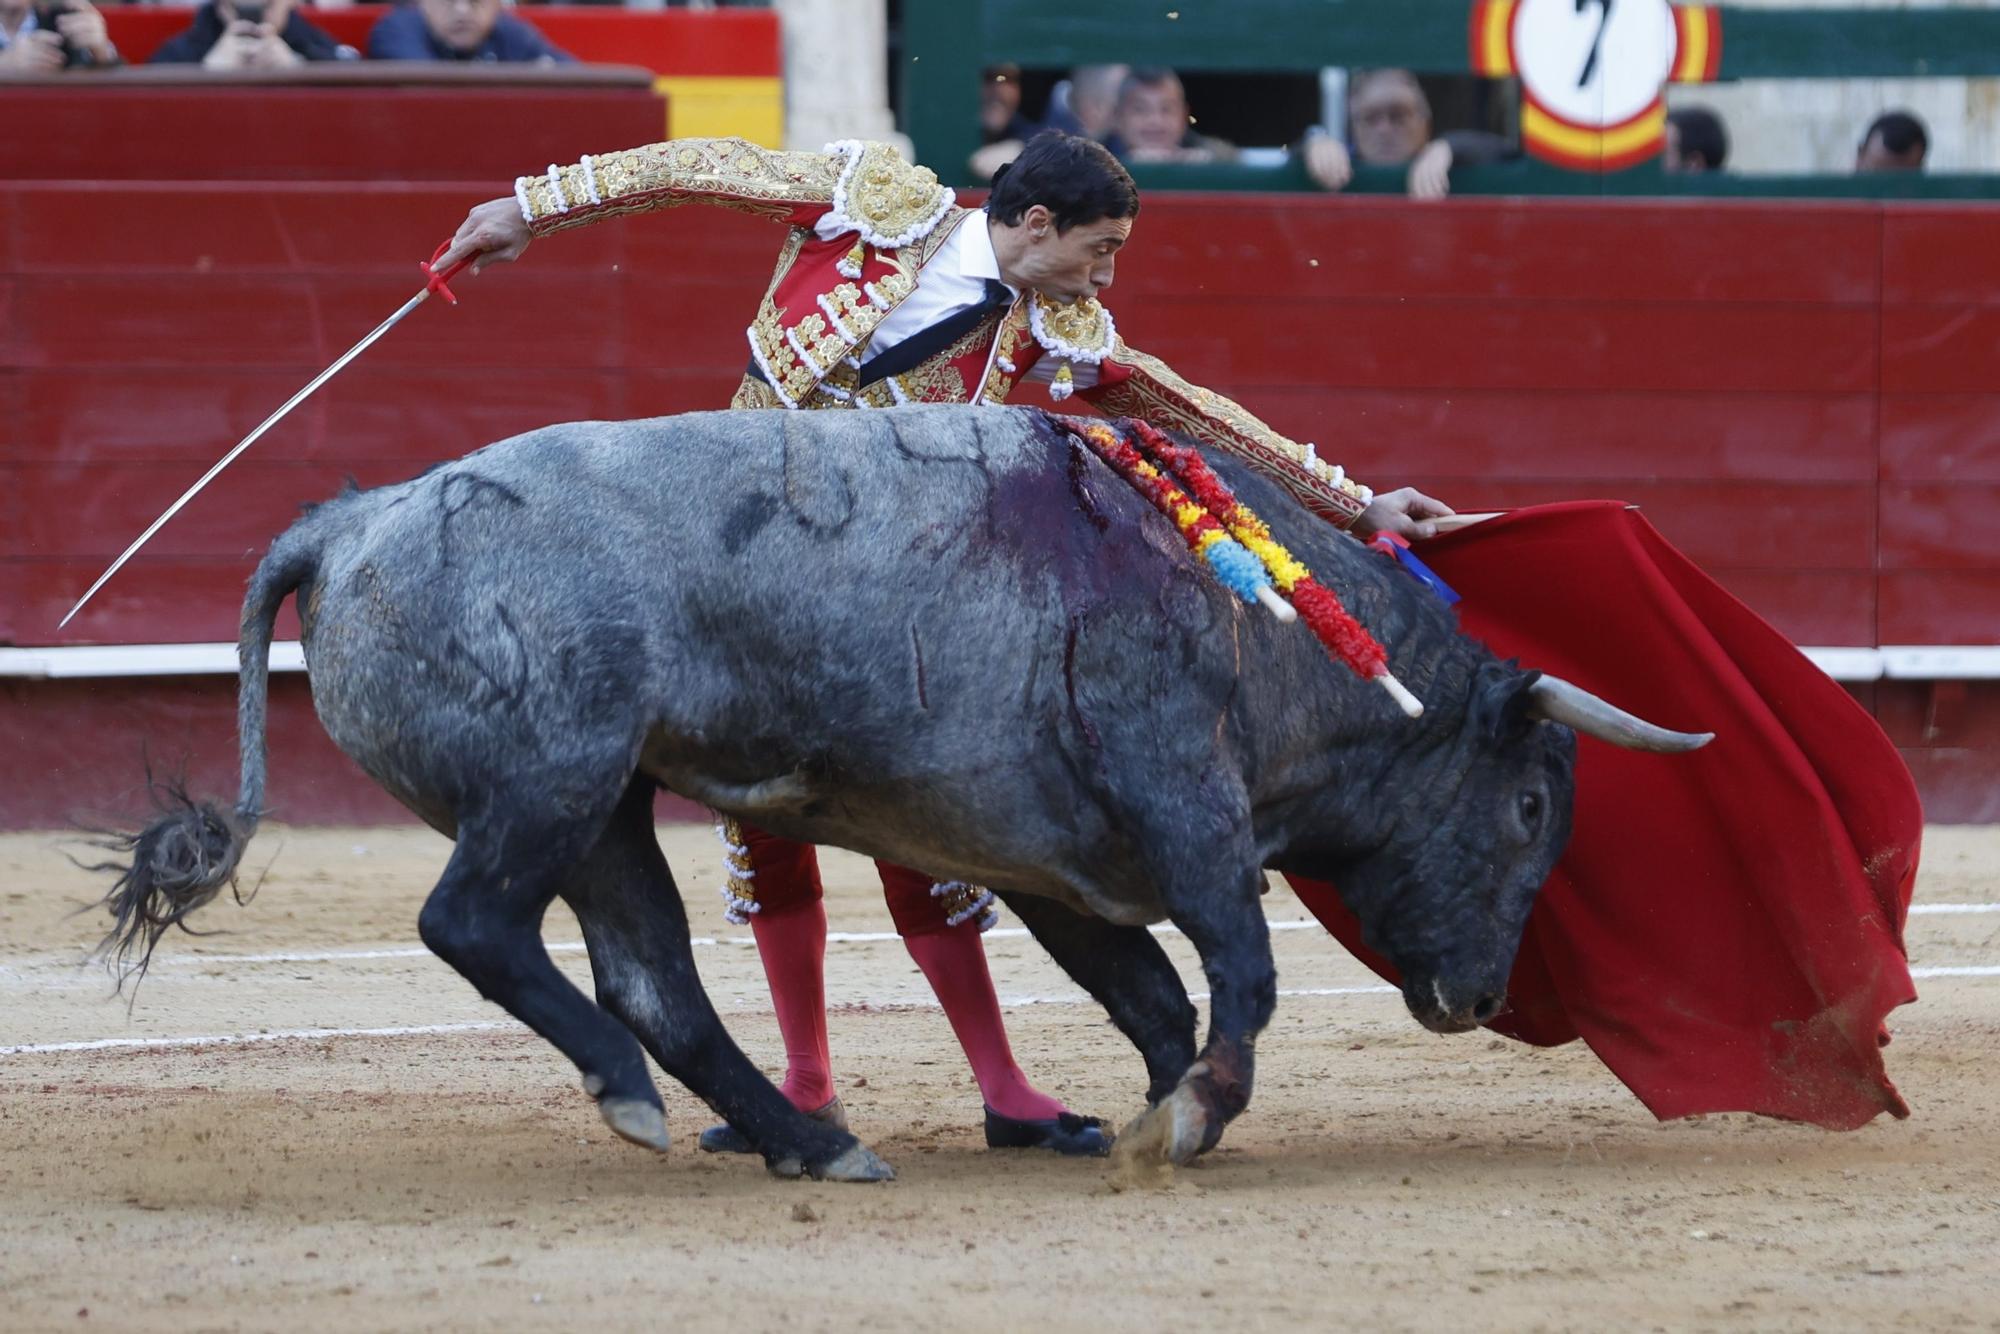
(828, 294)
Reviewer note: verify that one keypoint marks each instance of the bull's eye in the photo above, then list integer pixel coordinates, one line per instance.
(1531, 809)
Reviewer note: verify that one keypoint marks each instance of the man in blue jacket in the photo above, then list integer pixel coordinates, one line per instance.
(459, 30)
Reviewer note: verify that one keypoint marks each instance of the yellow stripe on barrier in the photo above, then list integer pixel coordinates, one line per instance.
(706, 106)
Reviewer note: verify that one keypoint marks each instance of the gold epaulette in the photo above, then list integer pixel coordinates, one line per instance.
(1075, 331)
(891, 202)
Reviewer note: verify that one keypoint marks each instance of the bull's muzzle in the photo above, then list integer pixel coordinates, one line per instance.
(1436, 1009)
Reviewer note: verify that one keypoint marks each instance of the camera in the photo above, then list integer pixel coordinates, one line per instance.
(249, 11)
(45, 21)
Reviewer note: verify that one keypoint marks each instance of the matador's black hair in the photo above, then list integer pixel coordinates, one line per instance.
(1075, 179)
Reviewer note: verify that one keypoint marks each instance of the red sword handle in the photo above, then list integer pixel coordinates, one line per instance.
(434, 281)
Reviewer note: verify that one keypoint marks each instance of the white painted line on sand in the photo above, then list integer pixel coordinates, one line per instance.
(238, 1039)
(19, 965)
(494, 1025)
(554, 947)
(901, 1003)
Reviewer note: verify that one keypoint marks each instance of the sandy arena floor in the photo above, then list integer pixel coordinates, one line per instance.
(310, 1123)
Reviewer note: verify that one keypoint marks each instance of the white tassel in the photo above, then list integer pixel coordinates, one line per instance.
(983, 905)
(1064, 383)
(850, 263)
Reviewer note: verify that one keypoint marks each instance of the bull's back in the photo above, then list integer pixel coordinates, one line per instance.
(742, 573)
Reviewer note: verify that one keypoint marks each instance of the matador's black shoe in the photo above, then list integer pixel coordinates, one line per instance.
(1067, 1133)
(727, 1139)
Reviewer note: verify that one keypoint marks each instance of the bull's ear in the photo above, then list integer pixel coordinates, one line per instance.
(1504, 704)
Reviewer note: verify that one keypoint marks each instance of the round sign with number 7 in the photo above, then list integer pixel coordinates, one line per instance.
(1592, 71)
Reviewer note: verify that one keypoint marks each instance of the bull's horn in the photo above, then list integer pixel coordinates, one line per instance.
(1560, 702)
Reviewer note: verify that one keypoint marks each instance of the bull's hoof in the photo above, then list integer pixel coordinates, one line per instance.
(726, 1138)
(636, 1120)
(855, 1163)
(1166, 1136)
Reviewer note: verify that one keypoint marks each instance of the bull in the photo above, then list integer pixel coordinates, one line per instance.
(951, 639)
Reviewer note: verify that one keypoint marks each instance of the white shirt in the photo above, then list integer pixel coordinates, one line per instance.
(954, 280)
(29, 24)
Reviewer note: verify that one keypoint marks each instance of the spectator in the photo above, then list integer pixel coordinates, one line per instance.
(1697, 141)
(1897, 141)
(250, 34)
(1085, 102)
(460, 30)
(1000, 115)
(41, 39)
(1150, 123)
(1389, 121)
(1081, 104)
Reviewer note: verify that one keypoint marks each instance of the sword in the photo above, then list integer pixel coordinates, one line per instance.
(433, 282)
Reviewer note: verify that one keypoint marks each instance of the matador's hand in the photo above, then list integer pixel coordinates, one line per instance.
(1404, 513)
(493, 233)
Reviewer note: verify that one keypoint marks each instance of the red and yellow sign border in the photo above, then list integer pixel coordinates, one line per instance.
(1563, 142)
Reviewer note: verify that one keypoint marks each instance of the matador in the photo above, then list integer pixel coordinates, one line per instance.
(886, 292)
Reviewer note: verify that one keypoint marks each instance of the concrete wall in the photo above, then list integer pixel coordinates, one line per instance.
(1793, 125)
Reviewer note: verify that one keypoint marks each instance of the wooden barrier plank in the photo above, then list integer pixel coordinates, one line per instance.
(381, 132)
(91, 513)
(87, 743)
(1717, 524)
(1939, 349)
(726, 43)
(1933, 254)
(1941, 437)
(1302, 248)
(1942, 526)
(1939, 607)
(1543, 345)
(1958, 786)
(1585, 433)
(372, 411)
(154, 600)
(299, 321)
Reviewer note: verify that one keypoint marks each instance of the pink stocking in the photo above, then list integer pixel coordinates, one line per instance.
(791, 942)
(954, 962)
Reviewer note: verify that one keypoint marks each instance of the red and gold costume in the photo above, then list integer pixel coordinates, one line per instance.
(828, 295)
(865, 227)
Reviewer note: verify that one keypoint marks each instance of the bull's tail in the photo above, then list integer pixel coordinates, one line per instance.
(185, 857)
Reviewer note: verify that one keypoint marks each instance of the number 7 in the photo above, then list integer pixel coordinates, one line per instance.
(1597, 42)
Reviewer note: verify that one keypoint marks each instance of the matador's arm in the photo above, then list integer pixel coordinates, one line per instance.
(868, 187)
(1132, 384)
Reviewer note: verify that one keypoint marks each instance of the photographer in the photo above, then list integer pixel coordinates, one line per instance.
(250, 34)
(46, 38)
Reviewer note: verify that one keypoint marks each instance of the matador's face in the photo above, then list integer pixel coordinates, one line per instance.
(1072, 265)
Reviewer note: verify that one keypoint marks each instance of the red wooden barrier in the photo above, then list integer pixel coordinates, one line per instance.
(1801, 394)
(735, 43)
(462, 125)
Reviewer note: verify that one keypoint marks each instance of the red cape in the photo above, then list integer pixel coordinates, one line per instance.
(1726, 928)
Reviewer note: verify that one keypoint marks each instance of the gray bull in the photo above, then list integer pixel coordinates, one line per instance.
(948, 638)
